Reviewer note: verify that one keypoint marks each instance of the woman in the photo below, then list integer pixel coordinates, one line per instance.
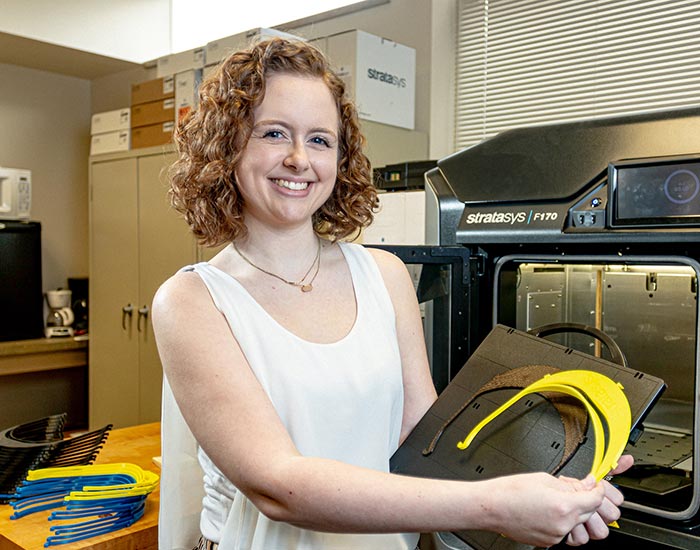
(297, 360)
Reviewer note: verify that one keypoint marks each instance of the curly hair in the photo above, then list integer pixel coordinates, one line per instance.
(211, 139)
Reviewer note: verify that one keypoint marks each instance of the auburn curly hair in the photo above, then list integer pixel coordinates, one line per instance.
(211, 138)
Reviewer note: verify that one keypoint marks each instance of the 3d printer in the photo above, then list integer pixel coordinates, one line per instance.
(594, 222)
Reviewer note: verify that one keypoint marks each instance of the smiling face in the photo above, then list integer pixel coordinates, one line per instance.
(289, 166)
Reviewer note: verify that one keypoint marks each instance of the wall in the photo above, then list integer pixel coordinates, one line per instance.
(45, 119)
(443, 45)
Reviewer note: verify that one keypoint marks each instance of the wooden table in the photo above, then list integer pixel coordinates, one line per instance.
(138, 445)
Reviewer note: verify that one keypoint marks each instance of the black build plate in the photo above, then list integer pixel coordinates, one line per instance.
(527, 437)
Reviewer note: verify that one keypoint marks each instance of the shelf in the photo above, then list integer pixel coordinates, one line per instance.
(34, 54)
(41, 354)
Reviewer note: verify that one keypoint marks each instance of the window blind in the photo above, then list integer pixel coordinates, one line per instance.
(527, 62)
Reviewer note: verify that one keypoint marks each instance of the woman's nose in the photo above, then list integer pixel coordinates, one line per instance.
(297, 157)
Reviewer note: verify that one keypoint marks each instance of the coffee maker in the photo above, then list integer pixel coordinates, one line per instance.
(79, 287)
(60, 316)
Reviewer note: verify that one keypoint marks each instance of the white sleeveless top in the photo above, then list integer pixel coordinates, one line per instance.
(342, 401)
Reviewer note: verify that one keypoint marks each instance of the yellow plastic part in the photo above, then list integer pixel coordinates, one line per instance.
(144, 481)
(597, 392)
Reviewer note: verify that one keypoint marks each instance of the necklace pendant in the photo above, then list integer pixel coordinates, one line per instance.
(307, 288)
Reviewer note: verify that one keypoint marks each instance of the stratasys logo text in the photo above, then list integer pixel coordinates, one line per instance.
(510, 218)
(388, 78)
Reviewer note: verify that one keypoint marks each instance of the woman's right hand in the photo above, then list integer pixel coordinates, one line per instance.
(540, 509)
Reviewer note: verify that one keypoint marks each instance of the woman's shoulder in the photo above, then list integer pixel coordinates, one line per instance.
(386, 260)
(390, 266)
(182, 287)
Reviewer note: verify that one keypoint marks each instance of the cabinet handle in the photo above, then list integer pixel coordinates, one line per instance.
(143, 312)
(126, 310)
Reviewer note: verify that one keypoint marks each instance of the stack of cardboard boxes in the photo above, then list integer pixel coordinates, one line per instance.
(380, 75)
(217, 50)
(152, 112)
(110, 131)
(186, 70)
(157, 104)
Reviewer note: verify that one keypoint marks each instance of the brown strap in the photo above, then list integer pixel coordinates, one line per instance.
(573, 414)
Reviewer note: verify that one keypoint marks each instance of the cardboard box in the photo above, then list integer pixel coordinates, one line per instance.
(186, 88)
(179, 62)
(321, 43)
(217, 50)
(110, 142)
(208, 70)
(400, 219)
(379, 74)
(153, 90)
(155, 134)
(111, 121)
(153, 112)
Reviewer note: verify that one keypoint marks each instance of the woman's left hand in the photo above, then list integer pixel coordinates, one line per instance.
(596, 527)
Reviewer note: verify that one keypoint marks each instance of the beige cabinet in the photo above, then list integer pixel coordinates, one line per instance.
(136, 242)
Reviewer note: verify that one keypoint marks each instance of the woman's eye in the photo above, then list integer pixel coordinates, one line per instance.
(274, 134)
(320, 141)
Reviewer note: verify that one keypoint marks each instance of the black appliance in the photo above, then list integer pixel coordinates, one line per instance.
(403, 176)
(79, 296)
(21, 298)
(594, 222)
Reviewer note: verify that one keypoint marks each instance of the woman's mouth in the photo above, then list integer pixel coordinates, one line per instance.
(293, 185)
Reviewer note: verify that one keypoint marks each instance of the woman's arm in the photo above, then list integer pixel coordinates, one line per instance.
(237, 426)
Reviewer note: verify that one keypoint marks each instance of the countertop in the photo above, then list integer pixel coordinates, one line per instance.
(41, 345)
(138, 445)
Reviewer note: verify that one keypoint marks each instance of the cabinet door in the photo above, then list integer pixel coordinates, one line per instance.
(165, 245)
(114, 360)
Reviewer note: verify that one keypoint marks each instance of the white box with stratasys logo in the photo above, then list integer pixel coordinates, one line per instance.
(380, 75)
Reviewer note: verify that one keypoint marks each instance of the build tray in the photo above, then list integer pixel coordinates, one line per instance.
(529, 436)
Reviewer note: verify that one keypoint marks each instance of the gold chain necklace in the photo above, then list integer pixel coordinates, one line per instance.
(305, 287)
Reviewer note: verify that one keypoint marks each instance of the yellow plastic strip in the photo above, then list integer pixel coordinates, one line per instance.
(584, 385)
(562, 388)
(91, 469)
(144, 481)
